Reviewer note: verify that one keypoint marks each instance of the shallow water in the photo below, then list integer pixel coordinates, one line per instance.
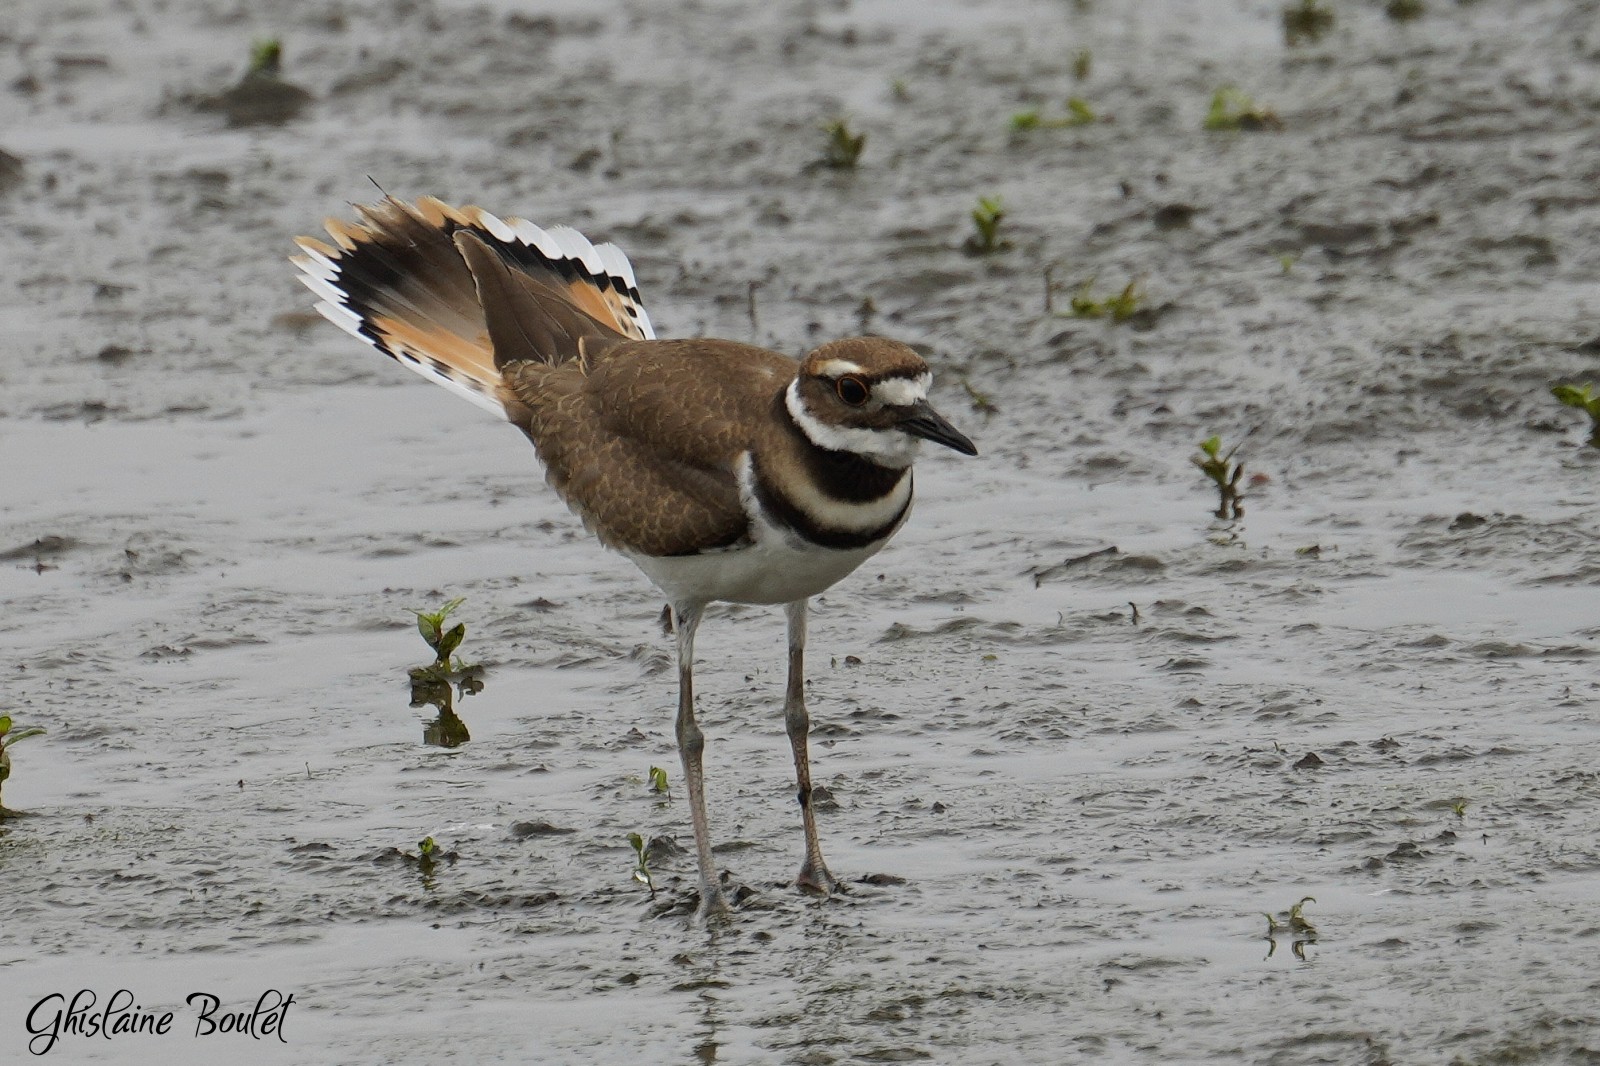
(1086, 771)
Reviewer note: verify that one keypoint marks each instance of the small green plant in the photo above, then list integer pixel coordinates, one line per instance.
(1082, 63)
(1404, 10)
(266, 57)
(1232, 110)
(1458, 807)
(426, 859)
(1287, 260)
(1119, 307)
(8, 737)
(1296, 922)
(1225, 473)
(986, 219)
(1583, 398)
(1295, 927)
(658, 782)
(981, 401)
(1306, 21)
(844, 147)
(1079, 113)
(260, 96)
(444, 642)
(641, 869)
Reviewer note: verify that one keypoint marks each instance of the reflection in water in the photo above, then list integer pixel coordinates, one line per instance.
(445, 731)
(708, 978)
(427, 860)
(1297, 945)
(436, 690)
(1293, 926)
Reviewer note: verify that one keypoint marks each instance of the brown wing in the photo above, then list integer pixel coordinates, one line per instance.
(642, 438)
(528, 317)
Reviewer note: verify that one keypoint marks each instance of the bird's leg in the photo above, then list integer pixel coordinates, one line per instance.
(814, 875)
(691, 747)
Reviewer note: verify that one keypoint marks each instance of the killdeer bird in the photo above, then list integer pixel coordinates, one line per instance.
(724, 471)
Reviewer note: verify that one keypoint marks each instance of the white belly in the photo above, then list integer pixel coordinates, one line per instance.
(778, 565)
(775, 569)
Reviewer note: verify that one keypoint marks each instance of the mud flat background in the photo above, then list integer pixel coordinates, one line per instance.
(1377, 689)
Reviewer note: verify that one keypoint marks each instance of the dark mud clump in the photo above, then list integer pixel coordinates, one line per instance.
(261, 97)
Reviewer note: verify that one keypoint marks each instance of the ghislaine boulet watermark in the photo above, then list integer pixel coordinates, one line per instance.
(57, 1016)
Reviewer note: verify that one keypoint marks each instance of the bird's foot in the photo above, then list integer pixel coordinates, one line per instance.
(714, 910)
(816, 880)
(713, 903)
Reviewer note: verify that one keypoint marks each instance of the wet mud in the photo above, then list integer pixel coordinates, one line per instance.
(1086, 745)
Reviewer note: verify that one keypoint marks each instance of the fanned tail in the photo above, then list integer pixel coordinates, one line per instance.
(398, 281)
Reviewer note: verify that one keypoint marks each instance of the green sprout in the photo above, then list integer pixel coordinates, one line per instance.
(641, 870)
(1226, 473)
(1079, 113)
(431, 625)
(981, 401)
(427, 858)
(7, 739)
(986, 218)
(1583, 398)
(444, 642)
(1287, 260)
(1082, 63)
(1404, 10)
(1294, 922)
(1232, 110)
(658, 782)
(1296, 925)
(266, 57)
(844, 147)
(1306, 21)
(1118, 307)
(260, 96)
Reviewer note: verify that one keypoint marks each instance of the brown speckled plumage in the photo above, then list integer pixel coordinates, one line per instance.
(641, 437)
(724, 470)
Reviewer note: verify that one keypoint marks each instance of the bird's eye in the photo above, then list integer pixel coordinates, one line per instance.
(853, 391)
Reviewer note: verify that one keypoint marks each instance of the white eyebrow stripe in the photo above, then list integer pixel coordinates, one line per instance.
(903, 392)
(892, 447)
(838, 368)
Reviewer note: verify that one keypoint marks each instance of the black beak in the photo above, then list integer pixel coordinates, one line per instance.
(925, 422)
